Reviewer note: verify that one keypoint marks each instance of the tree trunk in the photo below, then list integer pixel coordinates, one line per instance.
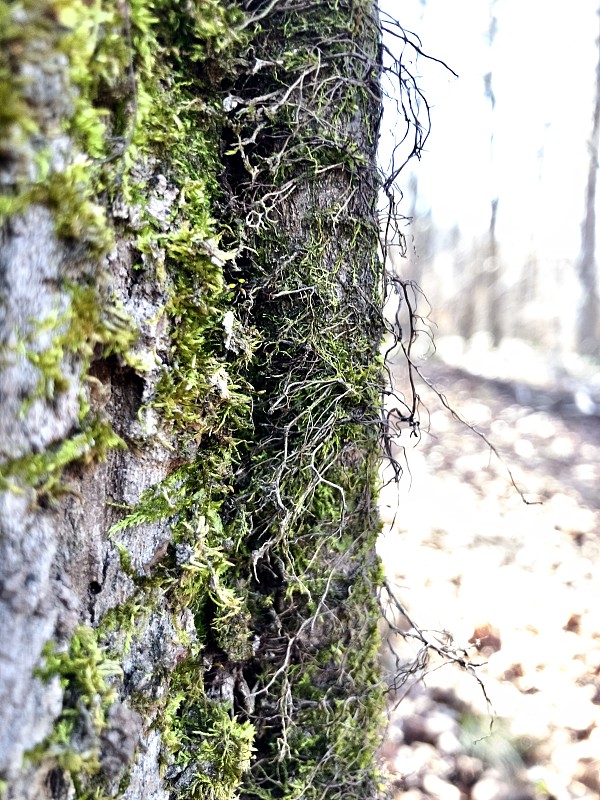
(587, 323)
(190, 323)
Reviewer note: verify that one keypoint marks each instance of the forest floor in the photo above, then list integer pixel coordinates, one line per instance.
(515, 585)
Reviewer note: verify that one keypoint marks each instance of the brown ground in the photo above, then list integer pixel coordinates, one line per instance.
(517, 585)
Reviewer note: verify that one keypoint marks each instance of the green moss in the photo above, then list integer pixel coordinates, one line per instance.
(98, 56)
(17, 123)
(271, 387)
(44, 470)
(124, 621)
(124, 558)
(84, 671)
(68, 193)
(70, 197)
(212, 749)
(86, 33)
(197, 393)
(84, 328)
(203, 573)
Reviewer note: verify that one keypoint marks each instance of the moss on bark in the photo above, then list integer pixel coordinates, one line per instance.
(212, 187)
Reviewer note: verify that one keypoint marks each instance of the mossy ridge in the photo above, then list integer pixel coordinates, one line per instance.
(195, 571)
(211, 747)
(198, 396)
(155, 112)
(206, 747)
(35, 32)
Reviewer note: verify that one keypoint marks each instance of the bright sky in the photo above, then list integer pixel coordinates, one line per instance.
(542, 63)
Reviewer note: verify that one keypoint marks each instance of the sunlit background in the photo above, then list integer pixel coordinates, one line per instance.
(503, 243)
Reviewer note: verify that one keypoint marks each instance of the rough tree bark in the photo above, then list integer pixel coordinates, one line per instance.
(190, 319)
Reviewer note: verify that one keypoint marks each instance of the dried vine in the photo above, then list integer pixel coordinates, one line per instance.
(402, 407)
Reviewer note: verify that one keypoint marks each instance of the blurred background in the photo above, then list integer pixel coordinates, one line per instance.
(496, 553)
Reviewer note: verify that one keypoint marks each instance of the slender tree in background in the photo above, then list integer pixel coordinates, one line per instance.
(588, 329)
(491, 272)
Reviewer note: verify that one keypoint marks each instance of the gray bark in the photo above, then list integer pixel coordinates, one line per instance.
(58, 569)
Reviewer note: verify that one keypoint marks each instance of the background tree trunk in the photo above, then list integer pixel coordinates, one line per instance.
(587, 323)
(190, 320)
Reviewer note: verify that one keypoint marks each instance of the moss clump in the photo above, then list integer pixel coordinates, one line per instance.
(124, 620)
(179, 65)
(197, 574)
(84, 671)
(43, 471)
(83, 329)
(211, 748)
